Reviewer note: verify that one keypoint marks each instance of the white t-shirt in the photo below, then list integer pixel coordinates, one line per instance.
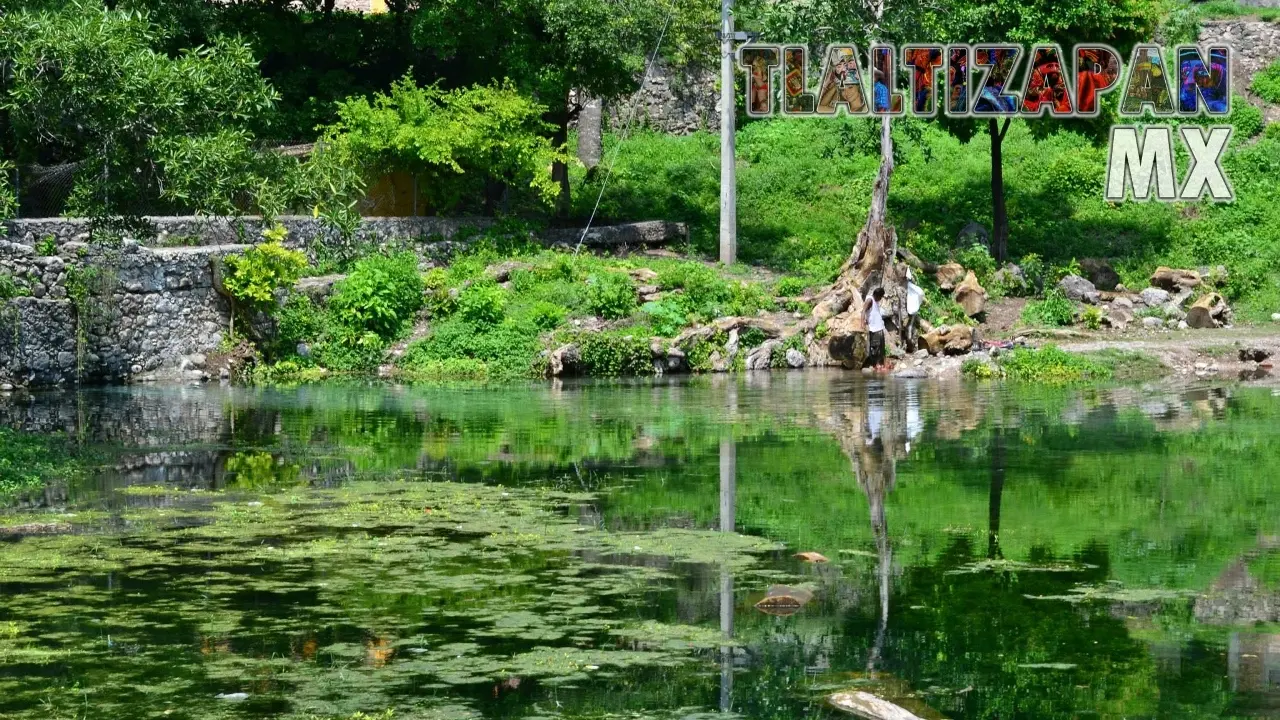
(875, 321)
(915, 296)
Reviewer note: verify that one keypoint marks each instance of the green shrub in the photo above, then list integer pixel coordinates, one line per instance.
(1051, 364)
(665, 316)
(1092, 317)
(1245, 118)
(343, 349)
(1266, 84)
(1033, 268)
(482, 303)
(751, 337)
(975, 369)
(9, 288)
(789, 287)
(611, 295)
(381, 295)
(451, 370)
(1054, 310)
(48, 245)
(1273, 131)
(439, 300)
(253, 277)
(979, 260)
(615, 354)
(546, 315)
(1075, 175)
(298, 321)
(507, 349)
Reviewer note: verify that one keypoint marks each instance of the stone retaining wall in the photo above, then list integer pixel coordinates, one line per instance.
(154, 312)
(150, 310)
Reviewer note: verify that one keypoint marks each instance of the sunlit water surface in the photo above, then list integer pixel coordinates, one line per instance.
(600, 550)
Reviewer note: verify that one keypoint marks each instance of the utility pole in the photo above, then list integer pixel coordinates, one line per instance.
(728, 172)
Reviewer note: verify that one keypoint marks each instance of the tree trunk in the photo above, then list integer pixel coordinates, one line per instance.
(994, 497)
(590, 133)
(999, 214)
(872, 264)
(560, 169)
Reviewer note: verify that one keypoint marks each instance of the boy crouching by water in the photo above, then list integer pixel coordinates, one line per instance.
(875, 328)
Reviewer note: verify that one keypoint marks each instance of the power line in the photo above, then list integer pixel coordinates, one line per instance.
(626, 130)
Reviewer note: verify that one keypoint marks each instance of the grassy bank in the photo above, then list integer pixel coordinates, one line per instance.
(804, 187)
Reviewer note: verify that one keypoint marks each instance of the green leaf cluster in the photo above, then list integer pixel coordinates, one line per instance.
(253, 277)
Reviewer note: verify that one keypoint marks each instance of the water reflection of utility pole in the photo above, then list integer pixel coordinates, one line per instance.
(995, 495)
(728, 509)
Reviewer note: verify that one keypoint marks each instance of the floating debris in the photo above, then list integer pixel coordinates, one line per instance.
(1048, 666)
(1014, 566)
(232, 697)
(866, 705)
(811, 557)
(783, 600)
(1114, 592)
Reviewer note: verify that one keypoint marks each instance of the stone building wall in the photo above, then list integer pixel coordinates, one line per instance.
(671, 101)
(1254, 44)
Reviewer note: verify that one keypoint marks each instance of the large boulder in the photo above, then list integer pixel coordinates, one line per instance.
(973, 234)
(1154, 296)
(1175, 280)
(1078, 289)
(970, 295)
(1012, 280)
(948, 340)
(1100, 273)
(949, 275)
(565, 360)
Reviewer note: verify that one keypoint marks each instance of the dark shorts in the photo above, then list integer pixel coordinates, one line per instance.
(875, 348)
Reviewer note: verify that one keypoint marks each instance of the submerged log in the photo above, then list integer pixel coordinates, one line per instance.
(868, 706)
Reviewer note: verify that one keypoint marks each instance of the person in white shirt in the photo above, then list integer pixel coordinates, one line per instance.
(915, 298)
(875, 328)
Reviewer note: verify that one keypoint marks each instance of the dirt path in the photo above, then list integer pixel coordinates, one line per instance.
(1202, 353)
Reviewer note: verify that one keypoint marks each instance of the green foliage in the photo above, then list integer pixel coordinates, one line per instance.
(979, 260)
(1273, 131)
(751, 337)
(48, 245)
(1051, 364)
(482, 303)
(1266, 83)
(253, 277)
(790, 287)
(298, 321)
(704, 294)
(611, 295)
(380, 296)
(8, 195)
(152, 130)
(975, 369)
(1245, 118)
(9, 288)
(612, 354)
(666, 316)
(30, 461)
(1092, 317)
(455, 140)
(546, 315)
(505, 350)
(1054, 310)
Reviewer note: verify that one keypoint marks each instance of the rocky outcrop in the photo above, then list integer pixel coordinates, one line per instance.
(1078, 289)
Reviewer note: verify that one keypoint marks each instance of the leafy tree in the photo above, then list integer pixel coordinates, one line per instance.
(462, 142)
(146, 131)
(1119, 23)
(547, 48)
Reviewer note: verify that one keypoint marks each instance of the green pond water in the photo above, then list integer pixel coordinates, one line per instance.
(598, 550)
